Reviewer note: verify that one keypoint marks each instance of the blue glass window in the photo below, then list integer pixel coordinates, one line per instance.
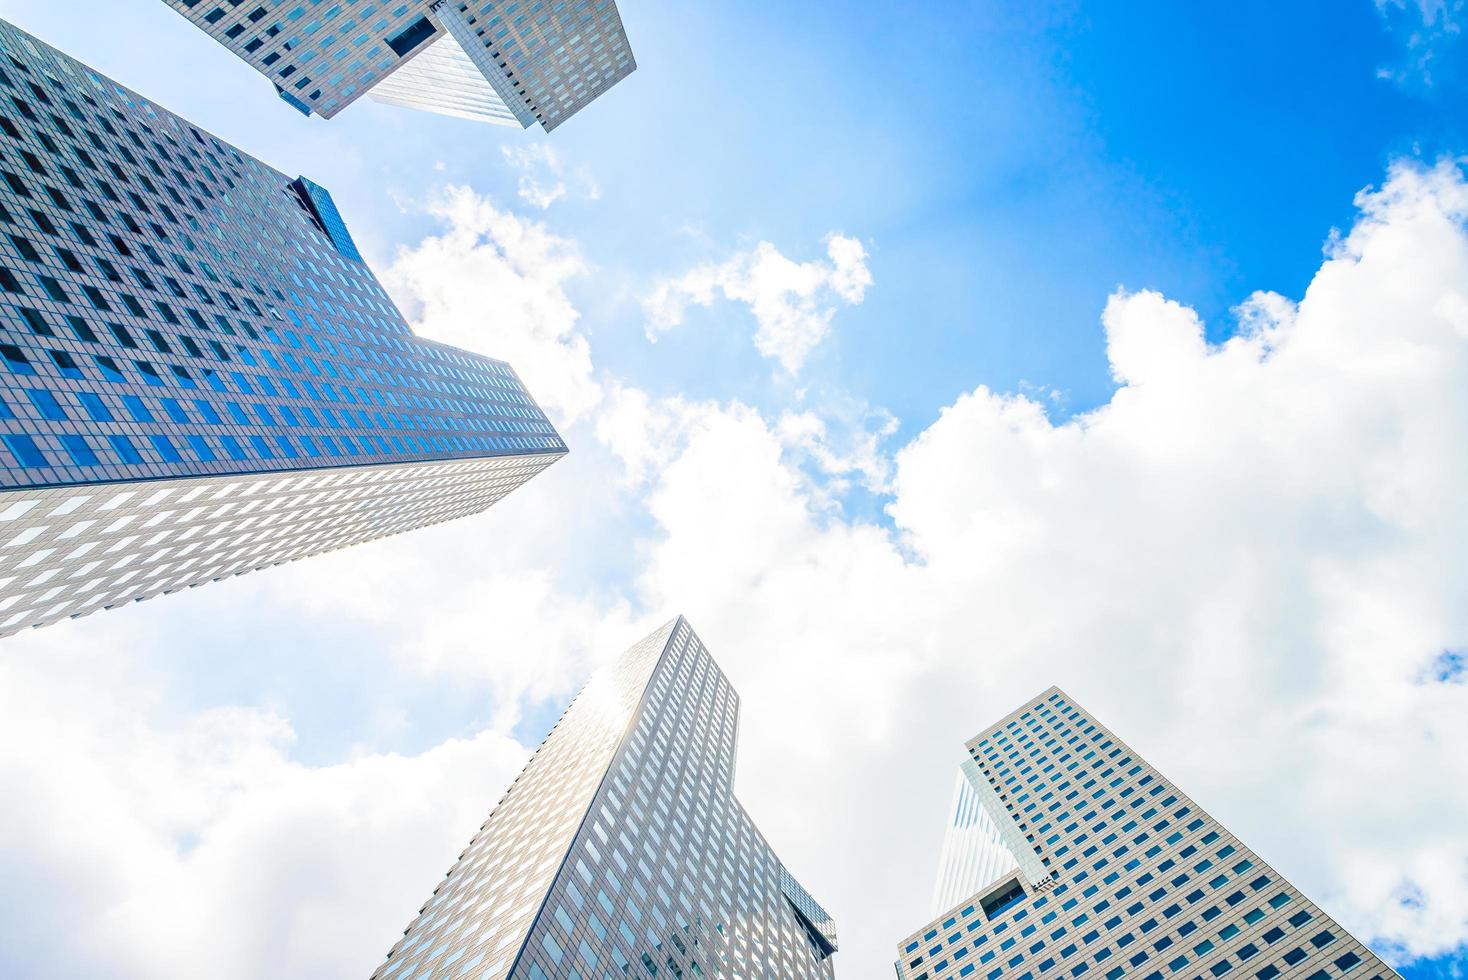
(166, 449)
(25, 449)
(125, 449)
(16, 360)
(150, 373)
(137, 408)
(80, 451)
(200, 446)
(46, 404)
(110, 370)
(97, 409)
(66, 365)
(175, 410)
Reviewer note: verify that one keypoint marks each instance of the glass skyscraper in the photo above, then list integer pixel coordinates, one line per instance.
(620, 850)
(510, 62)
(199, 376)
(1116, 873)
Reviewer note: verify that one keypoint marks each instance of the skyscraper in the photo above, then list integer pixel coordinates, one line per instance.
(620, 850)
(1116, 874)
(199, 375)
(509, 62)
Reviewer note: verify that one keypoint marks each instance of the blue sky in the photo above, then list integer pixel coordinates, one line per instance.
(1006, 169)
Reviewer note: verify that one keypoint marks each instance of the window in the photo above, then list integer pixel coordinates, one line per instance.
(137, 408)
(46, 404)
(26, 451)
(408, 38)
(80, 451)
(175, 410)
(15, 360)
(96, 409)
(36, 321)
(150, 373)
(166, 449)
(201, 448)
(83, 331)
(54, 289)
(109, 369)
(25, 248)
(66, 365)
(121, 333)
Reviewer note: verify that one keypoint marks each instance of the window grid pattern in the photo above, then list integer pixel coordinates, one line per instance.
(1140, 882)
(621, 851)
(556, 56)
(69, 551)
(171, 307)
(198, 374)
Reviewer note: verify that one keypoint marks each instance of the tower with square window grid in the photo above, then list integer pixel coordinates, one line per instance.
(1117, 875)
(620, 850)
(508, 62)
(199, 375)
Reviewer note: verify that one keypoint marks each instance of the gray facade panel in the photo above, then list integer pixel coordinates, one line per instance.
(69, 551)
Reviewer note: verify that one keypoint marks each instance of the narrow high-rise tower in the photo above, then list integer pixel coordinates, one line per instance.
(509, 62)
(621, 851)
(199, 375)
(1115, 873)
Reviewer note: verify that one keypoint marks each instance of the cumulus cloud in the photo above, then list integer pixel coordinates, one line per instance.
(144, 844)
(1248, 562)
(495, 283)
(792, 302)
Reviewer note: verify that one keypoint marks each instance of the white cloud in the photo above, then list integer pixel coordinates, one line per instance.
(1243, 562)
(141, 844)
(1426, 28)
(545, 178)
(495, 283)
(792, 302)
(1440, 15)
(1248, 562)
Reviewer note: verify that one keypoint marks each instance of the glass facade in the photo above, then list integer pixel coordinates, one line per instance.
(444, 80)
(621, 850)
(1118, 874)
(974, 851)
(505, 61)
(172, 310)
